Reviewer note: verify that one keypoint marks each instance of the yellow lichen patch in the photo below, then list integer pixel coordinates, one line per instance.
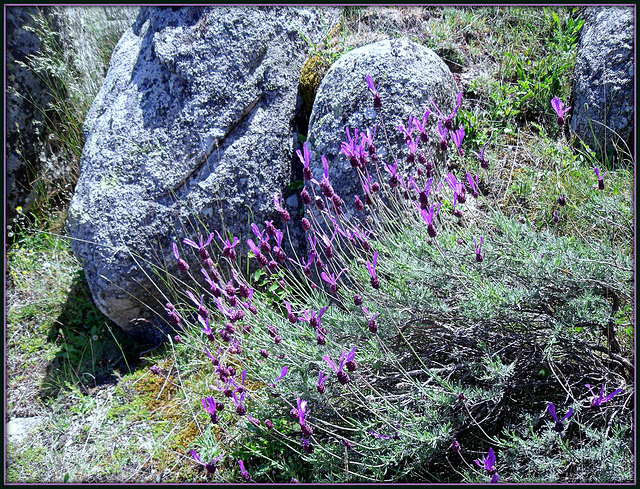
(187, 436)
(313, 72)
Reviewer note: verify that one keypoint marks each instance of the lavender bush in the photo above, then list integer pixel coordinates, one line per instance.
(423, 329)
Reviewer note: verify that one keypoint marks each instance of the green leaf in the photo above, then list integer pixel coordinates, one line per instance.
(258, 274)
(296, 185)
(302, 138)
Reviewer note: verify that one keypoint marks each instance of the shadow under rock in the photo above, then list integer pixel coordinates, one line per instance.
(94, 350)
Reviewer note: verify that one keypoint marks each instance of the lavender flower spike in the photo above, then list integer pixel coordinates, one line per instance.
(600, 179)
(321, 378)
(457, 137)
(558, 106)
(475, 191)
(377, 101)
(325, 185)
(305, 158)
(285, 369)
(211, 466)
(443, 137)
(428, 217)
(484, 163)
(558, 427)
(204, 254)
(598, 401)
(479, 256)
(375, 281)
(448, 121)
(489, 465)
(245, 475)
(182, 265)
(343, 377)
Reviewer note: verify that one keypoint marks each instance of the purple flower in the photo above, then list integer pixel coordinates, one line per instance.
(458, 188)
(598, 401)
(407, 131)
(321, 378)
(285, 369)
(245, 475)
(210, 405)
(277, 202)
(351, 149)
(302, 418)
(325, 185)
(174, 318)
(357, 300)
(204, 254)
(600, 179)
(228, 250)
(293, 319)
(413, 147)
(377, 102)
(305, 158)
(423, 195)
(479, 256)
(332, 279)
(558, 106)
(373, 326)
(428, 217)
(343, 377)
(375, 281)
(182, 265)
(240, 409)
(202, 311)
(280, 254)
(448, 120)
(475, 191)
(211, 466)
(393, 171)
(562, 200)
(558, 427)
(489, 465)
(455, 446)
(422, 128)
(556, 218)
(457, 137)
(306, 446)
(484, 163)
(314, 318)
(256, 251)
(443, 136)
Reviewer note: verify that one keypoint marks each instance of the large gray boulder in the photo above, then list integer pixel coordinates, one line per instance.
(604, 78)
(191, 132)
(409, 75)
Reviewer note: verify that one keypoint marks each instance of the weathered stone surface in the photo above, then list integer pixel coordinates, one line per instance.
(604, 78)
(194, 121)
(409, 76)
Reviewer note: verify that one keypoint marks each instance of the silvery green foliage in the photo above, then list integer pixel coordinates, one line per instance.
(197, 106)
(407, 74)
(604, 76)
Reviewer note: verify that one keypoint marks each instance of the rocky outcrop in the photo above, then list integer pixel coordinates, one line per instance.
(191, 132)
(24, 124)
(604, 78)
(408, 75)
(62, 47)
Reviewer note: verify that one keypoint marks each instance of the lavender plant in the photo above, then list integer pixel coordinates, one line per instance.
(438, 345)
